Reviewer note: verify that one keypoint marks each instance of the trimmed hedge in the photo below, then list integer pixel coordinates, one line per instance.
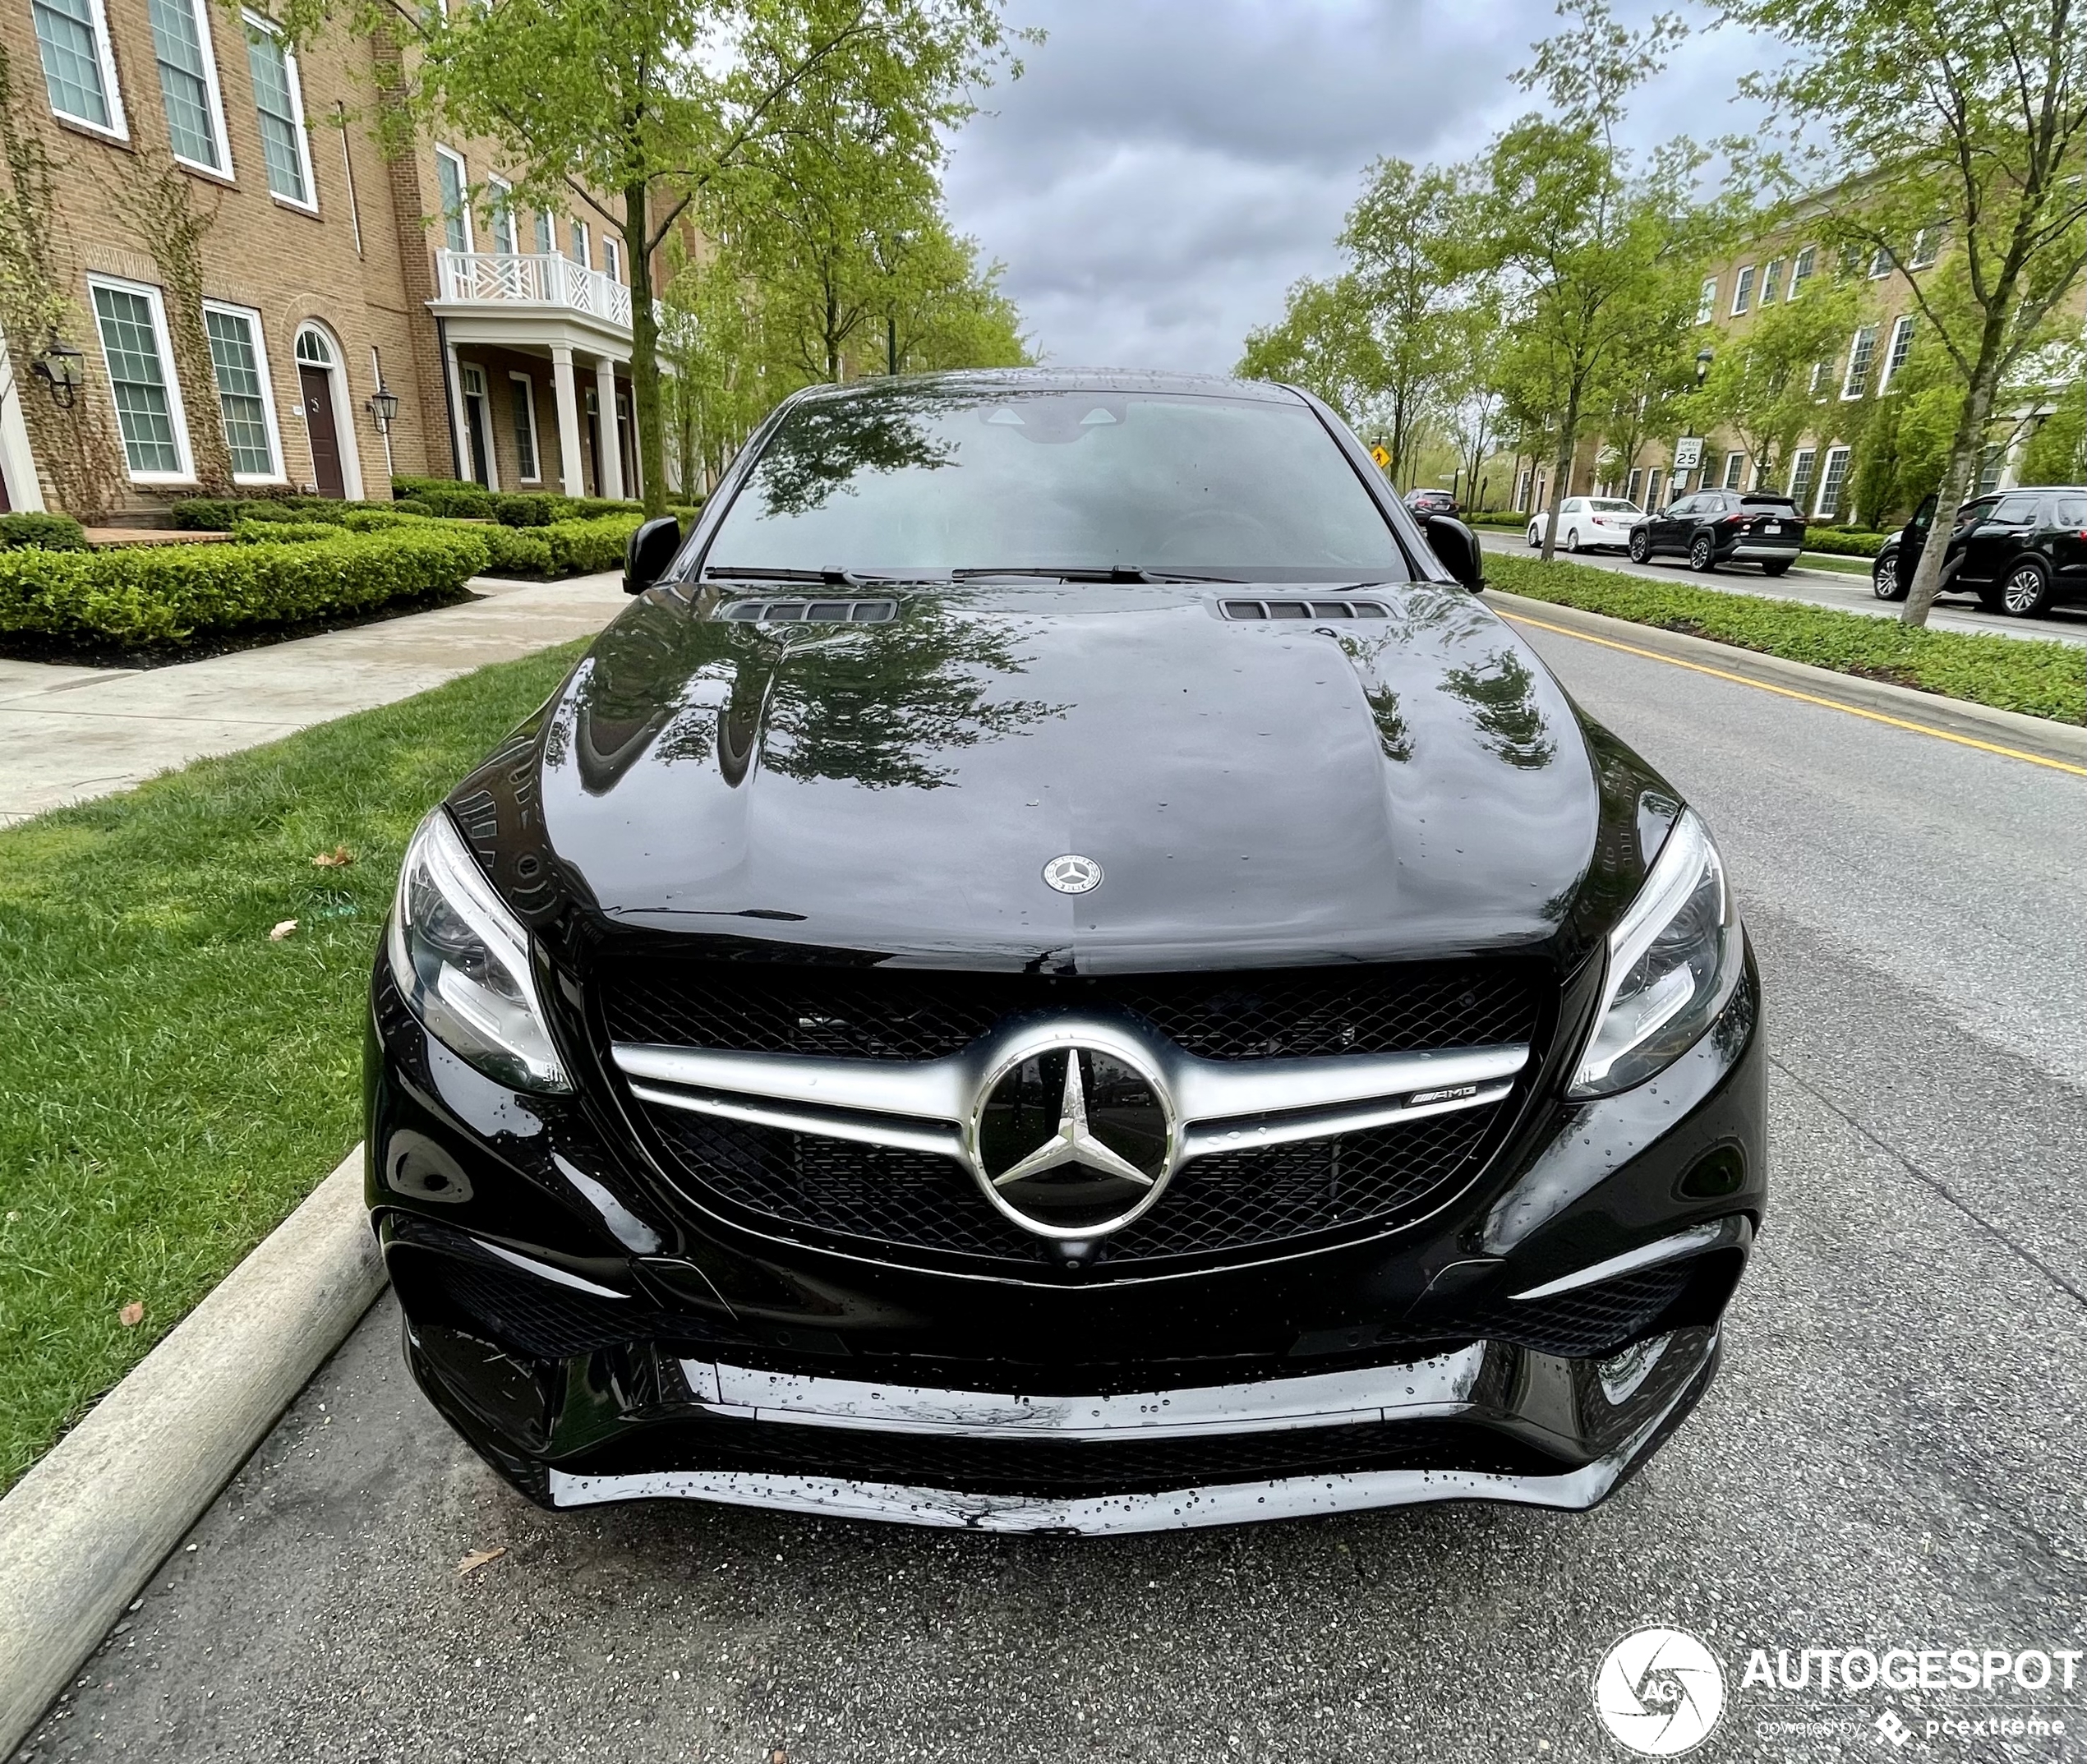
(47, 532)
(172, 594)
(283, 532)
(2041, 679)
(1844, 544)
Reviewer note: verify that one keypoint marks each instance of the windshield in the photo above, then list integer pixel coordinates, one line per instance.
(930, 479)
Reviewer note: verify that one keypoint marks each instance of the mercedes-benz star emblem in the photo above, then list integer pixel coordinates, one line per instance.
(1072, 874)
(1072, 1141)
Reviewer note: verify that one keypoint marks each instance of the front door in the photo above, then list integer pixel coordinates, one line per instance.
(1991, 546)
(478, 432)
(317, 385)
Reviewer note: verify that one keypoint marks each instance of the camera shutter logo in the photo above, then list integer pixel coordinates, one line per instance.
(1660, 1691)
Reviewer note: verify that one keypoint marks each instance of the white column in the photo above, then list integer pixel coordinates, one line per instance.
(605, 397)
(14, 441)
(458, 426)
(572, 478)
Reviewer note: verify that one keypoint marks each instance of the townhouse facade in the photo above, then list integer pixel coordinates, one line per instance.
(1865, 363)
(246, 283)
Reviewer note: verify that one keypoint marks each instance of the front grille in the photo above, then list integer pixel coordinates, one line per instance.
(1048, 1467)
(908, 1014)
(1228, 1201)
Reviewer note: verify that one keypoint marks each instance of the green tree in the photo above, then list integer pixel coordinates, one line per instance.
(1325, 342)
(2057, 453)
(1760, 383)
(632, 110)
(1954, 138)
(1594, 254)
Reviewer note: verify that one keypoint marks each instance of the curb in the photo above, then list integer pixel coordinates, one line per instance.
(2039, 735)
(82, 1533)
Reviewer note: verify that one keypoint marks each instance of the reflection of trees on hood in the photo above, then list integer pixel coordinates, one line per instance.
(1501, 692)
(887, 708)
(881, 707)
(825, 442)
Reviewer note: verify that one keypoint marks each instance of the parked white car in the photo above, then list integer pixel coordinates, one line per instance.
(1590, 523)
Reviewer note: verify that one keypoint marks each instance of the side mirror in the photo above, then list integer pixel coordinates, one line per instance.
(1457, 545)
(649, 553)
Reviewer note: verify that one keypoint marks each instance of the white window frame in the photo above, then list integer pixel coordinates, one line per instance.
(546, 236)
(514, 378)
(1743, 290)
(500, 209)
(578, 228)
(463, 196)
(1771, 282)
(1633, 483)
(1651, 490)
(611, 258)
(1734, 470)
(1927, 248)
(1896, 351)
(1882, 263)
(164, 342)
(280, 475)
(302, 131)
(199, 10)
(1707, 302)
(1801, 464)
(1826, 477)
(118, 126)
(1801, 267)
(1860, 361)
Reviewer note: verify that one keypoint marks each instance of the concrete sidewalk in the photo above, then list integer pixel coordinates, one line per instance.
(71, 734)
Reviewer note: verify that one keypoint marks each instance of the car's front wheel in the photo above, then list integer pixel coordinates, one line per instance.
(1641, 546)
(2027, 590)
(1702, 554)
(1884, 579)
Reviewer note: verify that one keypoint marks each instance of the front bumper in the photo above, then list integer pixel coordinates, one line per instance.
(598, 1337)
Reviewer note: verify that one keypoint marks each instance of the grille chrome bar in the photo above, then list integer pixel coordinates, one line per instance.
(924, 1105)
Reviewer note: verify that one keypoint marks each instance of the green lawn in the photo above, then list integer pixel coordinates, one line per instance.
(1833, 561)
(172, 1083)
(2042, 679)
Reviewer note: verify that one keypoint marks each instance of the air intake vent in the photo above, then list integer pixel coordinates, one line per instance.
(1304, 609)
(808, 612)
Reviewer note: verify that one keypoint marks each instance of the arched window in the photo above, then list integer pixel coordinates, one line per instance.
(328, 413)
(313, 349)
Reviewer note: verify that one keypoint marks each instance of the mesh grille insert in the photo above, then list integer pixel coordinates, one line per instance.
(902, 1014)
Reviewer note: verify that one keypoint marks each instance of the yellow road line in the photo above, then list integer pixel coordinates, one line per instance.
(1806, 697)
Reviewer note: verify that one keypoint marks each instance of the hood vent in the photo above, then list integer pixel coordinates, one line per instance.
(1250, 609)
(802, 612)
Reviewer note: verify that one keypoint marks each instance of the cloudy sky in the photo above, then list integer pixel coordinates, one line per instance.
(1165, 169)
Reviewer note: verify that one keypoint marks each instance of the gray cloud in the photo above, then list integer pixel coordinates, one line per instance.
(1166, 168)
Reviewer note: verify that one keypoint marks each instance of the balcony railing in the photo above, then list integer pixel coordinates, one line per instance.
(532, 280)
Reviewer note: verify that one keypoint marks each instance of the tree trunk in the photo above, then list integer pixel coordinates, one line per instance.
(1956, 479)
(644, 352)
(1561, 481)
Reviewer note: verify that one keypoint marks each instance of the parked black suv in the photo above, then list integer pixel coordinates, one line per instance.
(2020, 552)
(1715, 526)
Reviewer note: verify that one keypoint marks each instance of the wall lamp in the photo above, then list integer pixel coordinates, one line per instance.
(62, 369)
(383, 406)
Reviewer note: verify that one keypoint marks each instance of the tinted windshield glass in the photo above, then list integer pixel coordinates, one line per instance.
(1611, 505)
(934, 478)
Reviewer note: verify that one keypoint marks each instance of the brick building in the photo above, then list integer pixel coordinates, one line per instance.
(333, 277)
(1819, 473)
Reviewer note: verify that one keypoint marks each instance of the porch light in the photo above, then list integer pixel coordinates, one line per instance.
(62, 369)
(383, 406)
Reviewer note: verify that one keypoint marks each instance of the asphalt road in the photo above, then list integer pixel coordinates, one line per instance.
(2065, 624)
(1891, 1458)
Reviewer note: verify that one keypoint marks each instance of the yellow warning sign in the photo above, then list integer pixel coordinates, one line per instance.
(1382, 458)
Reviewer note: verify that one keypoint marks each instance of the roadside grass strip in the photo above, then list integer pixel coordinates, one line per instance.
(2046, 679)
(173, 1080)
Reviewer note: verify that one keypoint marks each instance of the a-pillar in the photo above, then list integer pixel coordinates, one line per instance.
(605, 398)
(566, 393)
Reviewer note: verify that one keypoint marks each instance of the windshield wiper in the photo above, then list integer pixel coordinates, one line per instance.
(1077, 573)
(834, 577)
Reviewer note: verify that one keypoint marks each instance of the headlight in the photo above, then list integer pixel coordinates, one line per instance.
(1674, 960)
(462, 962)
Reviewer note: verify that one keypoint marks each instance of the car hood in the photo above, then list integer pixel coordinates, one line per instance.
(1256, 793)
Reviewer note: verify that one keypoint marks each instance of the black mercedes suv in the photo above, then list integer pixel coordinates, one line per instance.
(1058, 969)
(1716, 526)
